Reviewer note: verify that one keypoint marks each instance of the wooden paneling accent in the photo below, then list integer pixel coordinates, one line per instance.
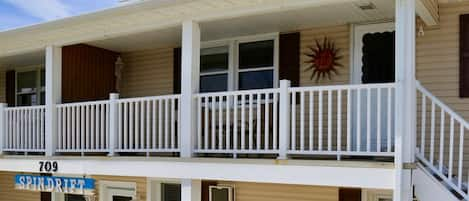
(8, 192)
(87, 73)
(350, 194)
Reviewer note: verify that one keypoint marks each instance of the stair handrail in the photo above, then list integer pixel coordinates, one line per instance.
(442, 105)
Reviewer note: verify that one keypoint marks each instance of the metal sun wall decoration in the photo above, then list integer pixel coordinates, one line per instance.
(323, 59)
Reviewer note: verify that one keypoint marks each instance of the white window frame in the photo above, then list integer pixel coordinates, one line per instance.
(37, 69)
(231, 193)
(233, 57)
(107, 187)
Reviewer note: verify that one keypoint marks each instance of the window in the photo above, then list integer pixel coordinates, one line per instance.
(256, 65)
(214, 69)
(239, 64)
(30, 87)
(221, 193)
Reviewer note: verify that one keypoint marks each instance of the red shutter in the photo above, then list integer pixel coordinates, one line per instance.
(350, 194)
(177, 70)
(10, 88)
(289, 58)
(464, 56)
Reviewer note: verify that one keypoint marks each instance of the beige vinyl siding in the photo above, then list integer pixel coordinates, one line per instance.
(340, 36)
(147, 73)
(245, 191)
(8, 192)
(432, 6)
(141, 183)
(437, 60)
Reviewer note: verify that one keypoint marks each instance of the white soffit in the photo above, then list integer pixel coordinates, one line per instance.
(157, 15)
(284, 21)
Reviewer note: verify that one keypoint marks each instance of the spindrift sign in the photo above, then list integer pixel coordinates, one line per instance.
(83, 186)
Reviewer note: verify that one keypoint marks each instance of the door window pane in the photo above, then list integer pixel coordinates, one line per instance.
(212, 83)
(170, 192)
(256, 54)
(256, 79)
(214, 59)
(220, 194)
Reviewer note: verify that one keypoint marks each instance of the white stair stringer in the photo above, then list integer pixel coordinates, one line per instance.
(428, 188)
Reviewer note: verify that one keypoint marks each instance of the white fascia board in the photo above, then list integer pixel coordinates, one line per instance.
(264, 171)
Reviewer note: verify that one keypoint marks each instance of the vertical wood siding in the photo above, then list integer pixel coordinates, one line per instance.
(8, 192)
(245, 191)
(87, 73)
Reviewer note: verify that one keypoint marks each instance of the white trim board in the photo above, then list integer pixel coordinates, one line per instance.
(267, 171)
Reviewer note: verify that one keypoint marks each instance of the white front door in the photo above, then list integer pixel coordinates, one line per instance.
(373, 63)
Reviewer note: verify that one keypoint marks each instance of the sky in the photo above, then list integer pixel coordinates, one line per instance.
(20, 13)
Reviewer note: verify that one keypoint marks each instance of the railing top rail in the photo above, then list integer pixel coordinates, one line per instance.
(173, 96)
(82, 103)
(442, 105)
(242, 92)
(36, 107)
(342, 87)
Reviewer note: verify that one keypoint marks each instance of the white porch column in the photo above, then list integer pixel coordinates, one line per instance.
(190, 66)
(405, 98)
(53, 95)
(191, 190)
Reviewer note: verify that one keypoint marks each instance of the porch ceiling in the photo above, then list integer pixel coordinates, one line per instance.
(284, 21)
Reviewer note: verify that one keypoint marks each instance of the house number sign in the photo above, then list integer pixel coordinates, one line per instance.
(48, 166)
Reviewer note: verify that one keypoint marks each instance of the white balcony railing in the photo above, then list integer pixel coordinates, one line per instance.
(148, 124)
(238, 122)
(342, 120)
(83, 127)
(339, 120)
(24, 129)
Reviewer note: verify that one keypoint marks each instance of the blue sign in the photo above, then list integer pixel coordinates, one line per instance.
(70, 185)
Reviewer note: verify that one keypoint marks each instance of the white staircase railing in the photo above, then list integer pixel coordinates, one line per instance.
(440, 139)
